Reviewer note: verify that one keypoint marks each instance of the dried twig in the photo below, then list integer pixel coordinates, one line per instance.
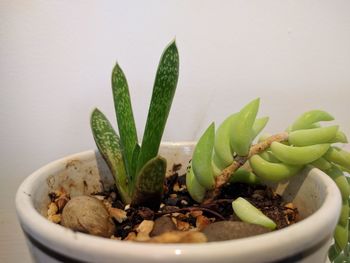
(225, 175)
(192, 208)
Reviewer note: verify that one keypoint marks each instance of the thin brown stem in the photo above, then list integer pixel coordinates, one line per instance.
(226, 174)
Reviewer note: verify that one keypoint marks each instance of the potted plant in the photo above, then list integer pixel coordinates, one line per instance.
(294, 163)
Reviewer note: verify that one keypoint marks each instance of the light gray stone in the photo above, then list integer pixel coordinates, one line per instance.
(161, 225)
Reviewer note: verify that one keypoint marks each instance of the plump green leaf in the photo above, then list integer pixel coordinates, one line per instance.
(242, 129)
(340, 137)
(223, 155)
(298, 155)
(125, 117)
(195, 189)
(250, 214)
(307, 137)
(259, 125)
(242, 175)
(308, 118)
(340, 179)
(338, 156)
(108, 143)
(201, 158)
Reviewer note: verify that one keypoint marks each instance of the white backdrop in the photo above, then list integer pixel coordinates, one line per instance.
(56, 58)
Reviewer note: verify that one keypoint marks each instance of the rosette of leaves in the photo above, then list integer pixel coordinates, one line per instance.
(138, 170)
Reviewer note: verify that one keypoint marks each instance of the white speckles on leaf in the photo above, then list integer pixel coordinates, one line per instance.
(108, 144)
(163, 93)
(125, 117)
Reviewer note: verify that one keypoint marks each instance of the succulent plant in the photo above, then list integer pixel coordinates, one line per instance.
(220, 156)
(138, 170)
(229, 155)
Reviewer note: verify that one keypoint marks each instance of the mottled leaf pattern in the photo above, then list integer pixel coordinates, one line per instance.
(125, 117)
(138, 171)
(149, 185)
(163, 93)
(108, 144)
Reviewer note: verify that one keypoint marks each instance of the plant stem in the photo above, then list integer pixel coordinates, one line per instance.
(226, 174)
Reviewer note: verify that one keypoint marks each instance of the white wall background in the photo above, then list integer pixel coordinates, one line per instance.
(56, 58)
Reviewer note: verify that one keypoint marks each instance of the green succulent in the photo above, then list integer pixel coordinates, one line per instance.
(220, 156)
(138, 170)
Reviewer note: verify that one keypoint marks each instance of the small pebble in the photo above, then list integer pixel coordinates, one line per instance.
(89, 215)
(161, 225)
(143, 230)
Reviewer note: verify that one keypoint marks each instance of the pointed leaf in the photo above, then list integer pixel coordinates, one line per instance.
(259, 125)
(125, 117)
(108, 143)
(162, 97)
(201, 158)
(310, 117)
(242, 128)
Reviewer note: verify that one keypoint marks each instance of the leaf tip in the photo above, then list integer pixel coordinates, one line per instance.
(116, 66)
(212, 126)
(257, 100)
(173, 42)
(172, 45)
(94, 112)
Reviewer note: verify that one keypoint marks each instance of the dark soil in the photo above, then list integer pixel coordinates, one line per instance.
(177, 200)
(183, 213)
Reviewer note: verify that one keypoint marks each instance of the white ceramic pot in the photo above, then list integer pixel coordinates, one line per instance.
(313, 192)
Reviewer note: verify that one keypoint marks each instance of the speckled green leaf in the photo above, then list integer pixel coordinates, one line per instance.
(149, 185)
(125, 117)
(108, 143)
(162, 97)
(135, 156)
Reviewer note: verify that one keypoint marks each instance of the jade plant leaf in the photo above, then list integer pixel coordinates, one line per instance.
(109, 146)
(201, 159)
(148, 188)
(125, 117)
(162, 97)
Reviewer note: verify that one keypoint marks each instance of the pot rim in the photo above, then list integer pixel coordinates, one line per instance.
(63, 239)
